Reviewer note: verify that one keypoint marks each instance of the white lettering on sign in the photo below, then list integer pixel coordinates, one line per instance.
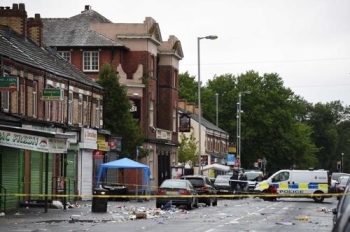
(291, 191)
(32, 142)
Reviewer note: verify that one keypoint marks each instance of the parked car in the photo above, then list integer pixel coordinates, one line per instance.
(340, 187)
(177, 192)
(342, 224)
(335, 179)
(222, 183)
(343, 202)
(251, 175)
(204, 187)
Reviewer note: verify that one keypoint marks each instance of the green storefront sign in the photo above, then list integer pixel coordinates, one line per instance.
(8, 84)
(52, 95)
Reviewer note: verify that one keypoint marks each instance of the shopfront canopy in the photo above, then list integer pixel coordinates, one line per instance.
(125, 163)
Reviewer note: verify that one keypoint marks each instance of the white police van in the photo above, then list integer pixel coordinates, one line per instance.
(298, 183)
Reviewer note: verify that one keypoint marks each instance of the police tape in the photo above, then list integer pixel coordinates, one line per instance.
(228, 195)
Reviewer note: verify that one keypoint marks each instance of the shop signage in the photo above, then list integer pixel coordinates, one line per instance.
(88, 135)
(8, 84)
(52, 94)
(102, 145)
(33, 142)
(185, 123)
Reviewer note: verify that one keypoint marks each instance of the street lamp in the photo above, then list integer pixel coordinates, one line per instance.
(217, 109)
(342, 161)
(212, 37)
(264, 162)
(239, 123)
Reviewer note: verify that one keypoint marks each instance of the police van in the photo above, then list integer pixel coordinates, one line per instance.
(298, 183)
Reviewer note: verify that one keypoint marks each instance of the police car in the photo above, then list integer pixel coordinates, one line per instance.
(298, 183)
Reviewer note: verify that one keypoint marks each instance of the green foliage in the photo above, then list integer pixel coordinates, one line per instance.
(188, 88)
(117, 116)
(188, 149)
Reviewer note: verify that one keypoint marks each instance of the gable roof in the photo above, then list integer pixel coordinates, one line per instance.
(171, 47)
(75, 31)
(205, 122)
(25, 51)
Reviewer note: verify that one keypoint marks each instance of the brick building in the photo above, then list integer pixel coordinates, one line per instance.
(50, 118)
(147, 66)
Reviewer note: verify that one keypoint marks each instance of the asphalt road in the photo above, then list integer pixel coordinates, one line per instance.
(250, 214)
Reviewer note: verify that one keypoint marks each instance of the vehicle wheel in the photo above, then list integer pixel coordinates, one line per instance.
(208, 202)
(267, 192)
(215, 203)
(318, 199)
(158, 205)
(195, 203)
(189, 206)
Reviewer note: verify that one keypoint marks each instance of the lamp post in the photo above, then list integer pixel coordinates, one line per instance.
(239, 126)
(217, 109)
(264, 162)
(212, 37)
(342, 161)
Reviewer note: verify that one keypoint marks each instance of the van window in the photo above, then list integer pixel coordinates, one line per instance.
(282, 176)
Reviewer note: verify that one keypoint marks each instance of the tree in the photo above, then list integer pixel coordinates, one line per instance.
(116, 109)
(270, 119)
(188, 87)
(188, 149)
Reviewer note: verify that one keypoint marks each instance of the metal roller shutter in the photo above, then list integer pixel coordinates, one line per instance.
(10, 167)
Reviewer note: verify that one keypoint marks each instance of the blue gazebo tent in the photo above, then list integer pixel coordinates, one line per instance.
(125, 163)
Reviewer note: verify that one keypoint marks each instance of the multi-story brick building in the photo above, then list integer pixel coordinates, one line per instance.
(146, 64)
(50, 118)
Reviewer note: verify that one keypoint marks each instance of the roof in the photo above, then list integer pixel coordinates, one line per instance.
(25, 51)
(75, 31)
(124, 163)
(206, 123)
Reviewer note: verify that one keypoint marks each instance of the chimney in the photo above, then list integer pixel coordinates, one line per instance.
(87, 8)
(35, 29)
(15, 18)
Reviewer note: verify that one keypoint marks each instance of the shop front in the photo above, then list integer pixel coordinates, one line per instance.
(26, 167)
(87, 146)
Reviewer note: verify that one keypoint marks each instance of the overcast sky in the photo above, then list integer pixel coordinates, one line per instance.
(307, 42)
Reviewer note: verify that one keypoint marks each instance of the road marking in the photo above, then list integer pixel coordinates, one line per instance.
(209, 230)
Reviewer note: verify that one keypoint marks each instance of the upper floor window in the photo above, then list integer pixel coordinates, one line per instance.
(98, 112)
(5, 99)
(151, 112)
(90, 61)
(174, 120)
(80, 109)
(65, 55)
(70, 107)
(175, 79)
(35, 99)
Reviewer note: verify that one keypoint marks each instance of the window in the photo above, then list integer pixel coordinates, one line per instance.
(48, 109)
(80, 109)
(151, 112)
(35, 99)
(65, 55)
(97, 113)
(175, 79)
(5, 99)
(90, 61)
(70, 107)
(174, 120)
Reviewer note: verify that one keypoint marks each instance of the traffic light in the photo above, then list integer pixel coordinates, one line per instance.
(339, 165)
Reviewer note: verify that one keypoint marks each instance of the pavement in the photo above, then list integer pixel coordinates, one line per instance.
(82, 211)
